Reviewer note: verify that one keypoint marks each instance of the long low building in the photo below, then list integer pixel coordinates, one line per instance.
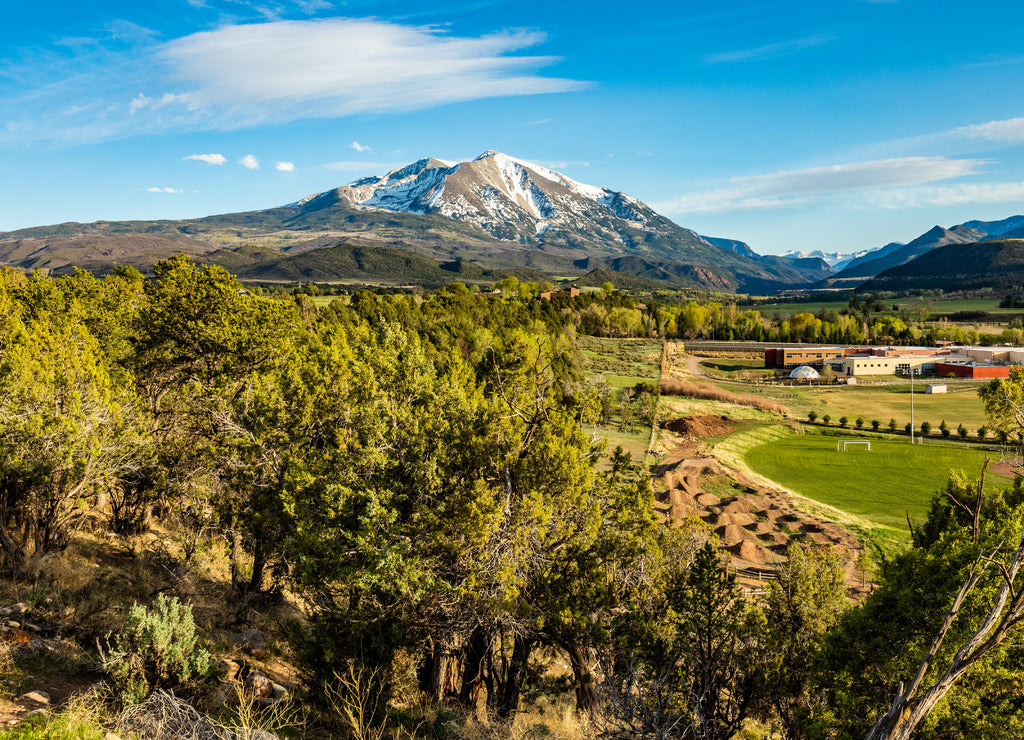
(964, 362)
(890, 364)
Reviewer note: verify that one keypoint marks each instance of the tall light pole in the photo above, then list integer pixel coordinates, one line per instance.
(911, 405)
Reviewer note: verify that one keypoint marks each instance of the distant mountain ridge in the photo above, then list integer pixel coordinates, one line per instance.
(496, 214)
(878, 262)
(997, 263)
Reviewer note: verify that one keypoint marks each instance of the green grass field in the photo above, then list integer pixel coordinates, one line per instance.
(882, 486)
(622, 361)
(735, 368)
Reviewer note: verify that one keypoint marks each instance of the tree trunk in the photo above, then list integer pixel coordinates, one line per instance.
(511, 687)
(236, 560)
(14, 552)
(582, 677)
(259, 562)
(474, 666)
(439, 675)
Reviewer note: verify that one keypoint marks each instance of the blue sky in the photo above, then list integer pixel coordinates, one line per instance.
(803, 125)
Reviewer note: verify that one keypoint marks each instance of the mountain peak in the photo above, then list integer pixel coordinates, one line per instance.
(510, 199)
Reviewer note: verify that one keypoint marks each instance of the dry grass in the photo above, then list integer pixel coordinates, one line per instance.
(556, 722)
(673, 387)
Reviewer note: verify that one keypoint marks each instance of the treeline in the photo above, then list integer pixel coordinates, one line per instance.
(424, 474)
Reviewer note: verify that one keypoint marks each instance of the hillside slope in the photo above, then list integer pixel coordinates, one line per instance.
(997, 264)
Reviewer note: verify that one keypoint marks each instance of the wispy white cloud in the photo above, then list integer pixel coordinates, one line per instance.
(164, 190)
(359, 147)
(217, 159)
(947, 195)
(245, 75)
(541, 122)
(1007, 131)
(975, 137)
(309, 7)
(285, 167)
(249, 162)
(767, 50)
(796, 188)
(141, 101)
(242, 75)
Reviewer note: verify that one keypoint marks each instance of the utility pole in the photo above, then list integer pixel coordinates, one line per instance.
(911, 405)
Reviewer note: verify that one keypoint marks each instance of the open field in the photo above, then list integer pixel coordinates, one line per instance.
(735, 368)
(937, 306)
(622, 362)
(959, 406)
(635, 443)
(883, 486)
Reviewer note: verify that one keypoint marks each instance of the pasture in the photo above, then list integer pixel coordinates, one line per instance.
(960, 405)
(895, 479)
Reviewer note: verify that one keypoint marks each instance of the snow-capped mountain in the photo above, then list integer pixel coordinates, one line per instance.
(512, 200)
(836, 260)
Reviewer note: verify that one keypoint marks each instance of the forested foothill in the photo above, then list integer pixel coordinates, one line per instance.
(224, 513)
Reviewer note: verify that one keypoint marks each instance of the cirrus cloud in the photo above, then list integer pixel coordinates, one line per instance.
(271, 72)
(796, 188)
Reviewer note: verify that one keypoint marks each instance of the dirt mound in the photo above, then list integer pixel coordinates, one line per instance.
(750, 552)
(680, 497)
(743, 504)
(732, 533)
(700, 426)
(707, 499)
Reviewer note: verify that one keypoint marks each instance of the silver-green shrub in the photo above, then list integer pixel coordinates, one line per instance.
(157, 649)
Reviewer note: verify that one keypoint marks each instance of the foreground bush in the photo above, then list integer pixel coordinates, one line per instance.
(156, 649)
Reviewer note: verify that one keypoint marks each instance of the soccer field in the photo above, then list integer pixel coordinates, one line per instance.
(884, 485)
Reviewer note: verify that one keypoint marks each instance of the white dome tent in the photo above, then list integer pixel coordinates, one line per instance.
(804, 372)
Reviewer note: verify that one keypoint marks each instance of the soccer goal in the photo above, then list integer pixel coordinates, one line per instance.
(844, 444)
